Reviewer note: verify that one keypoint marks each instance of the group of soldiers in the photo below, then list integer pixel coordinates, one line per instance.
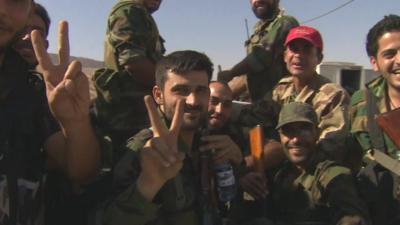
(150, 147)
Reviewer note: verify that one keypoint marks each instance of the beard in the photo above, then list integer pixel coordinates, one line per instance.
(266, 12)
(193, 117)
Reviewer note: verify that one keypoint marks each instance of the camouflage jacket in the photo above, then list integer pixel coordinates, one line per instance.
(178, 201)
(359, 119)
(265, 54)
(324, 193)
(330, 102)
(26, 123)
(131, 34)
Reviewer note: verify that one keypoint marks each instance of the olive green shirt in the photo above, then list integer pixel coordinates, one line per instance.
(265, 54)
(177, 202)
(359, 119)
(324, 193)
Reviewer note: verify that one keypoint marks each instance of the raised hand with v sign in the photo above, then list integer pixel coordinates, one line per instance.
(67, 86)
(74, 150)
(160, 158)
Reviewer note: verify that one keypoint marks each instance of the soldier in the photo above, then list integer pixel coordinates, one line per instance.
(308, 189)
(303, 52)
(225, 137)
(264, 65)
(38, 20)
(158, 179)
(133, 45)
(29, 133)
(380, 95)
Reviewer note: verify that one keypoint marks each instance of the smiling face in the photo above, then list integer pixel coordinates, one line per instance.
(220, 105)
(299, 141)
(387, 59)
(193, 88)
(13, 17)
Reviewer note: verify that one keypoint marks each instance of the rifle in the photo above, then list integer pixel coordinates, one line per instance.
(389, 122)
(208, 205)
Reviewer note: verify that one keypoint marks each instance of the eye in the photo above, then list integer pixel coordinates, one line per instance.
(388, 54)
(182, 90)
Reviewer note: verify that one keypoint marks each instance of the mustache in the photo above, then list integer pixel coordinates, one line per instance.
(191, 108)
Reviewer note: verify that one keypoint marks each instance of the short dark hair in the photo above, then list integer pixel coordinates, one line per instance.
(39, 10)
(389, 23)
(182, 62)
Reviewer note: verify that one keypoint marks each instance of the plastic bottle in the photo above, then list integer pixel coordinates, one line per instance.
(225, 180)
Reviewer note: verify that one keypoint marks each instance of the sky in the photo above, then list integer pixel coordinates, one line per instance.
(217, 27)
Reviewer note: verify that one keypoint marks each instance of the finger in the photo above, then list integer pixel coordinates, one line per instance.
(40, 51)
(178, 117)
(163, 150)
(157, 125)
(63, 43)
(74, 70)
(150, 153)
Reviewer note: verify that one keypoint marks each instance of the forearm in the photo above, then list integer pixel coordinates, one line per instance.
(147, 187)
(241, 68)
(82, 152)
(143, 71)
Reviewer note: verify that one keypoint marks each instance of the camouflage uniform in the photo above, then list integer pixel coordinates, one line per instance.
(329, 100)
(324, 193)
(377, 184)
(26, 123)
(265, 54)
(358, 116)
(178, 201)
(131, 35)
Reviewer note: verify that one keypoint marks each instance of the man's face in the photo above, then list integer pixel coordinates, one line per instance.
(220, 105)
(299, 141)
(152, 5)
(13, 17)
(301, 58)
(387, 60)
(264, 9)
(23, 45)
(193, 89)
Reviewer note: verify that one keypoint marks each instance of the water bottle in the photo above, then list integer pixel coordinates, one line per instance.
(225, 180)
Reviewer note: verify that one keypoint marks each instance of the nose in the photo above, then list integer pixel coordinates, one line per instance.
(398, 57)
(218, 108)
(191, 99)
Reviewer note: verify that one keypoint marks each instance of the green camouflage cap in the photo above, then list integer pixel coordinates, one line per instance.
(297, 112)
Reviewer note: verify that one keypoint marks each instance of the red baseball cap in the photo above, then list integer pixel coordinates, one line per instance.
(307, 33)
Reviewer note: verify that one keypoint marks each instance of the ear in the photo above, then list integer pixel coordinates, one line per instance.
(374, 63)
(320, 58)
(158, 96)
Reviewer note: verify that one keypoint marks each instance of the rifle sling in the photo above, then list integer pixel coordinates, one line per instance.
(376, 137)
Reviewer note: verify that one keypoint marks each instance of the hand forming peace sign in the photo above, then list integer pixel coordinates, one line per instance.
(161, 152)
(66, 86)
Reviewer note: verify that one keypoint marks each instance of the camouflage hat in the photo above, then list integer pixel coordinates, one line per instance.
(297, 112)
